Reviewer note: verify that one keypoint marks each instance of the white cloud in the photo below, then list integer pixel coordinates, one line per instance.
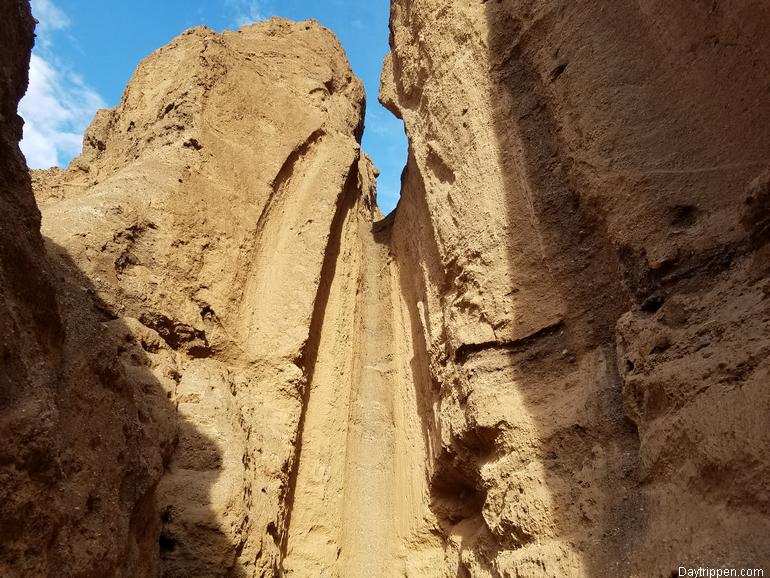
(247, 11)
(58, 105)
(49, 16)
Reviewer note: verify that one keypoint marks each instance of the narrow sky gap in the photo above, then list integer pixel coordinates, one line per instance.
(86, 52)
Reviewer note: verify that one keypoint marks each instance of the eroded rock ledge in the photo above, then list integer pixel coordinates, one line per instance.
(219, 359)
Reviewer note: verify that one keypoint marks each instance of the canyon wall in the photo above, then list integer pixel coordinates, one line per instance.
(85, 428)
(213, 211)
(582, 232)
(220, 359)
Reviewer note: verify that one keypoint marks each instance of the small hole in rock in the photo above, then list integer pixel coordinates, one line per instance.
(653, 303)
(166, 543)
(558, 71)
(683, 216)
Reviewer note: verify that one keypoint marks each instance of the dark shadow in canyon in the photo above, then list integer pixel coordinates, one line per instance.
(601, 110)
(127, 402)
(590, 463)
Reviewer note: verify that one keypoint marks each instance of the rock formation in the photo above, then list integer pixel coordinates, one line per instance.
(85, 427)
(214, 211)
(585, 211)
(550, 360)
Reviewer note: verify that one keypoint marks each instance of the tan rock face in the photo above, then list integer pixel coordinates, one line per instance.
(550, 360)
(209, 210)
(580, 177)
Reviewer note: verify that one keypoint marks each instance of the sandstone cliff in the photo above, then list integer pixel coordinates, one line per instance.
(583, 231)
(213, 211)
(83, 425)
(550, 360)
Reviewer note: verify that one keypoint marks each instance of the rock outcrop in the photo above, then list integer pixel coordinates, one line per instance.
(550, 360)
(583, 231)
(213, 211)
(85, 428)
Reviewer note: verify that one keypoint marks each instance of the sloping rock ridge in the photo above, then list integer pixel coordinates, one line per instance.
(219, 359)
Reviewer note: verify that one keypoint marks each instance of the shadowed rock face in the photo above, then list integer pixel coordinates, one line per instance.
(84, 424)
(218, 359)
(576, 213)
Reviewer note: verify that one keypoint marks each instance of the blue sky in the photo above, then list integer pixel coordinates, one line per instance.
(86, 51)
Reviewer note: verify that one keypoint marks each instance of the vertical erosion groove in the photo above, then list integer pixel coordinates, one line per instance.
(345, 206)
(355, 504)
(272, 220)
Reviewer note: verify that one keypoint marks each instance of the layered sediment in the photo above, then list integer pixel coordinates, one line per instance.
(220, 359)
(582, 212)
(209, 211)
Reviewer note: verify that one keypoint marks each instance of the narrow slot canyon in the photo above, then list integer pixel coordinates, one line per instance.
(357, 494)
(342, 504)
(220, 359)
